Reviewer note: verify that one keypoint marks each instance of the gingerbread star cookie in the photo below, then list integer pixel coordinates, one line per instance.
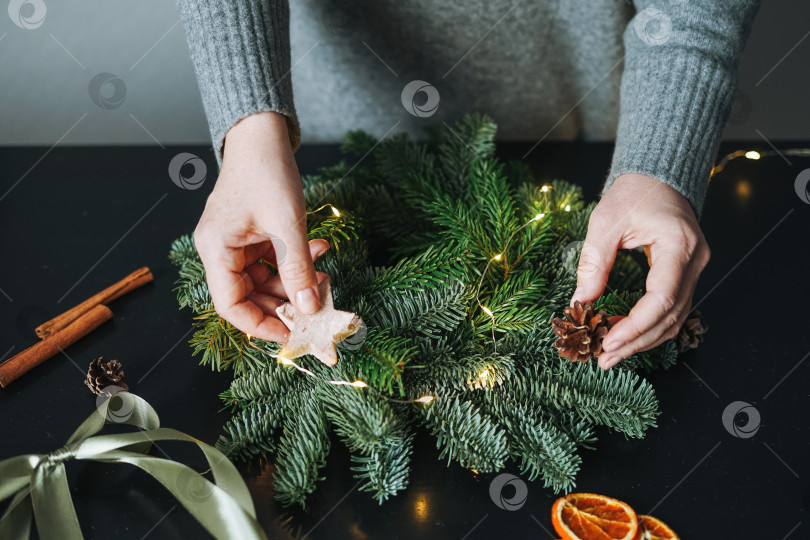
(317, 333)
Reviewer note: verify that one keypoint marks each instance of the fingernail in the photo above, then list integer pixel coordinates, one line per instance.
(577, 293)
(306, 300)
(610, 363)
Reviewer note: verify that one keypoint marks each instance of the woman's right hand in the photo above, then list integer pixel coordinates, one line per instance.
(257, 211)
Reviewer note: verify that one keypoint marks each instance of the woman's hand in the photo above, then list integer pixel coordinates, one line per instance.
(641, 211)
(257, 211)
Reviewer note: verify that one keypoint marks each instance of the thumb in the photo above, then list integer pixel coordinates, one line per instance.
(296, 268)
(595, 261)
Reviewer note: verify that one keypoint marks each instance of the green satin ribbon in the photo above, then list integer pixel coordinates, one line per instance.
(38, 483)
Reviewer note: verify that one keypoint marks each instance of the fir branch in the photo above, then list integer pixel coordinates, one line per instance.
(336, 230)
(541, 449)
(626, 273)
(385, 468)
(663, 357)
(191, 287)
(466, 434)
(251, 431)
(618, 303)
(302, 452)
(463, 226)
(618, 399)
(470, 139)
(494, 201)
(430, 269)
(224, 346)
(363, 420)
(183, 250)
(425, 315)
(463, 372)
(382, 359)
(270, 382)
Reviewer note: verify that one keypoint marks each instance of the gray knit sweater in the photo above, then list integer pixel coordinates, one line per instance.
(658, 77)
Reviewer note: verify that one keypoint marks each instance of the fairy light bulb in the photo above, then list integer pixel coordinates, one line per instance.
(497, 257)
(285, 361)
(538, 217)
(425, 399)
(335, 211)
(487, 310)
(567, 207)
(359, 384)
(752, 154)
(544, 189)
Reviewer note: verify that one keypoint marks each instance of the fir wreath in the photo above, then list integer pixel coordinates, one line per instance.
(463, 230)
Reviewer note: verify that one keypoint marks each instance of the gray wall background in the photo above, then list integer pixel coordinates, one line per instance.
(45, 72)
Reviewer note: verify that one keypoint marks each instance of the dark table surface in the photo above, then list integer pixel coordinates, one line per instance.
(75, 220)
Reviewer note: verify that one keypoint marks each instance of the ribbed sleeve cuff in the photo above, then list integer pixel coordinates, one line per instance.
(674, 107)
(241, 54)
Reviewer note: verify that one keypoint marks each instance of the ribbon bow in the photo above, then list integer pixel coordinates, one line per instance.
(39, 485)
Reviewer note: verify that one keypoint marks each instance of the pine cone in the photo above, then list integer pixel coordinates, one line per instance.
(103, 373)
(581, 332)
(691, 333)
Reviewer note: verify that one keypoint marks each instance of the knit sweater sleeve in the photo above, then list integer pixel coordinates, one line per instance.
(678, 85)
(241, 54)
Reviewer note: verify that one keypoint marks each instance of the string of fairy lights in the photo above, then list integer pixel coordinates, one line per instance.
(484, 374)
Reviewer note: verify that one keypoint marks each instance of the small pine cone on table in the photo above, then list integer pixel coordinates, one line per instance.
(103, 373)
(581, 332)
(691, 333)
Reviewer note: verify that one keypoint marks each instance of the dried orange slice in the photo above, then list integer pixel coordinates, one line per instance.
(588, 516)
(650, 528)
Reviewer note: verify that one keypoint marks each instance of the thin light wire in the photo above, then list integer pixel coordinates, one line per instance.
(498, 257)
(756, 155)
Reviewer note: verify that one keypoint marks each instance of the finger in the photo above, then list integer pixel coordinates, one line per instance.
(260, 272)
(663, 331)
(275, 287)
(664, 283)
(318, 247)
(267, 303)
(595, 261)
(272, 329)
(296, 267)
(266, 252)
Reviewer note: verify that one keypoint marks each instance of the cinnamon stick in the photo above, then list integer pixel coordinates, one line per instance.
(136, 279)
(22, 363)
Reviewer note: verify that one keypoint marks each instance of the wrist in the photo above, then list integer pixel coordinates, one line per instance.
(262, 134)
